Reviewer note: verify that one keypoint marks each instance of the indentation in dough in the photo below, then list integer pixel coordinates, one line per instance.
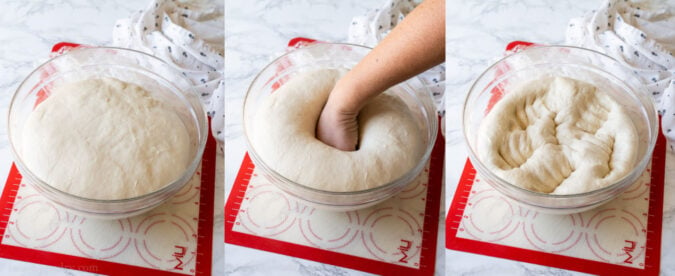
(558, 135)
(283, 135)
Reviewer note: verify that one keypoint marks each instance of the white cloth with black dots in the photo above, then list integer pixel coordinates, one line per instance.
(371, 28)
(188, 35)
(642, 37)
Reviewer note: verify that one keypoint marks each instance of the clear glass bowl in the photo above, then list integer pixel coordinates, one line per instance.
(577, 63)
(334, 55)
(153, 74)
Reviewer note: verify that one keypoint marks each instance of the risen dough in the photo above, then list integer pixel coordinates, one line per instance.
(558, 135)
(105, 139)
(283, 135)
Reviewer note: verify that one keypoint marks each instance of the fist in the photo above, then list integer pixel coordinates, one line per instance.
(338, 128)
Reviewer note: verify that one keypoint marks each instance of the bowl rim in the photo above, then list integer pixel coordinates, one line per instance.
(433, 127)
(192, 166)
(654, 129)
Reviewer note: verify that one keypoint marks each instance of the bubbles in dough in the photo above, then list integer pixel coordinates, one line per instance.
(283, 135)
(105, 139)
(558, 135)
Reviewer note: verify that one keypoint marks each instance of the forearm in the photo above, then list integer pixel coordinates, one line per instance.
(414, 46)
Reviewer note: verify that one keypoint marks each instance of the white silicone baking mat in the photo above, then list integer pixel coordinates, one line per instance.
(397, 236)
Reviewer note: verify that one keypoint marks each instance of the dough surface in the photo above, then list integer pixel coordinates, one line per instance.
(283, 135)
(105, 139)
(558, 135)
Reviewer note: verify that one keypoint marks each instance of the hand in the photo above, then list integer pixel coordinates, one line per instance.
(338, 126)
(415, 45)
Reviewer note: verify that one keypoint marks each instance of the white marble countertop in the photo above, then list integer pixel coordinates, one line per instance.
(28, 29)
(477, 33)
(254, 35)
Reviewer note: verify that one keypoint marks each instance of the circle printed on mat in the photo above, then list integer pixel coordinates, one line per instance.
(621, 242)
(150, 243)
(37, 224)
(393, 235)
(267, 212)
(99, 239)
(489, 216)
(417, 188)
(329, 230)
(189, 193)
(552, 233)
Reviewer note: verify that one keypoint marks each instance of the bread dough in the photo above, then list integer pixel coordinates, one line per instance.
(558, 135)
(283, 135)
(105, 139)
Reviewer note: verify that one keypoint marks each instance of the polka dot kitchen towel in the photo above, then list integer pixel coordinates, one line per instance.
(641, 35)
(190, 36)
(371, 28)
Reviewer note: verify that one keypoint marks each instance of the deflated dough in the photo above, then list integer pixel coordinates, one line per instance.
(105, 139)
(558, 135)
(283, 135)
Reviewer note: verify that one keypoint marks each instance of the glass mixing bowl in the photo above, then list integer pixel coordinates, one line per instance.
(154, 75)
(577, 63)
(334, 55)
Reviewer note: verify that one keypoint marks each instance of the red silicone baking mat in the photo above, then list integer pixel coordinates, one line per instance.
(397, 236)
(620, 237)
(173, 239)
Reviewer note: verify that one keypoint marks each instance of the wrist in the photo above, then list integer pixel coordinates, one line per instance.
(345, 98)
